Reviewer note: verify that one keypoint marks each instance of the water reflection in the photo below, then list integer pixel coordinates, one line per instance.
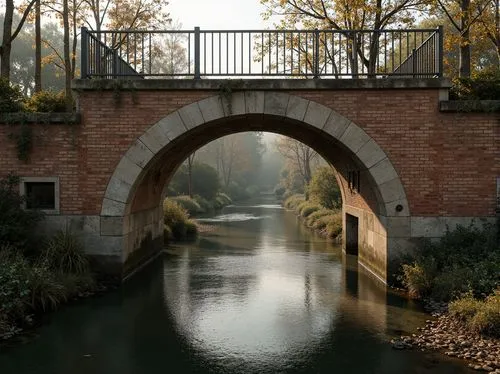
(260, 295)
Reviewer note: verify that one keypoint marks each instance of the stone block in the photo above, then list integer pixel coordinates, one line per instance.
(191, 115)
(211, 108)
(118, 190)
(370, 154)
(155, 138)
(354, 137)
(127, 170)
(254, 102)
(91, 225)
(297, 107)
(392, 190)
(112, 226)
(139, 153)
(383, 172)
(112, 208)
(398, 227)
(317, 114)
(237, 101)
(276, 103)
(172, 125)
(336, 125)
(391, 208)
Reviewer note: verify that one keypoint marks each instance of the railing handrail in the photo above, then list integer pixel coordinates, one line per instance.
(415, 50)
(139, 31)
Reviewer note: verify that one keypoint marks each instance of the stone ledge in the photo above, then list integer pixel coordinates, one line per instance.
(40, 118)
(464, 106)
(259, 84)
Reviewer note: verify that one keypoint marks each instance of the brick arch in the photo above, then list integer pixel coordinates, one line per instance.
(330, 124)
(141, 169)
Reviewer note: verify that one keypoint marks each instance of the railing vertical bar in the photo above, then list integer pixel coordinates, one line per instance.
(440, 51)
(291, 52)
(242, 53)
(249, 53)
(84, 65)
(277, 51)
(284, 52)
(220, 48)
(212, 54)
(234, 52)
(269, 52)
(262, 52)
(298, 50)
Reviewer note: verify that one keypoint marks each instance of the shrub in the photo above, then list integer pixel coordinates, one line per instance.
(46, 293)
(65, 254)
(46, 101)
(308, 208)
(293, 201)
(11, 98)
(205, 205)
(334, 226)
(75, 284)
(16, 224)
(14, 287)
(484, 85)
(191, 229)
(252, 190)
(323, 188)
(482, 317)
(465, 258)
(224, 198)
(189, 204)
(237, 192)
(177, 220)
(279, 191)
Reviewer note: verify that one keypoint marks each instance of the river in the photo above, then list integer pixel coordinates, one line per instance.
(258, 294)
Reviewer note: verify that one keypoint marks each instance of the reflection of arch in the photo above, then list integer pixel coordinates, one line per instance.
(133, 193)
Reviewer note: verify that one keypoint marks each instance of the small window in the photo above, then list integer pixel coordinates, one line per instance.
(354, 180)
(40, 195)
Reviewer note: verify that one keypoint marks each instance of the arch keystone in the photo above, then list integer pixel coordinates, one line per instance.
(254, 102)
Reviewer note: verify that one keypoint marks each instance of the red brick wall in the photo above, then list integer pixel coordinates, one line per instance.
(448, 162)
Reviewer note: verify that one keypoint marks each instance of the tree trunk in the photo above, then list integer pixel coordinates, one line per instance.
(465, 55)
(67, 57)
(38, 49)
(6, 40)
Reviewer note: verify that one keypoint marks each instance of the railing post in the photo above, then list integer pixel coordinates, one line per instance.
(316, 53)
(84, 50)
(197, 53)
(355, 71)
(413, 62)
(440, 50)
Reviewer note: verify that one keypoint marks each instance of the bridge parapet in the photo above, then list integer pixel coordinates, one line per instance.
(340, 54)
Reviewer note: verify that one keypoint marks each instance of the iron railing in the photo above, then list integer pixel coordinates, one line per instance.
(262, 53)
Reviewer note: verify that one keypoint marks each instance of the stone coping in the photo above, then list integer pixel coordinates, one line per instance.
(259, 84)
(40, 118)
(483, 106)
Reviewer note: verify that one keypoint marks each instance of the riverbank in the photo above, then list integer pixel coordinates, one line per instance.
(448, 336)
(327, 223)
(462, 271)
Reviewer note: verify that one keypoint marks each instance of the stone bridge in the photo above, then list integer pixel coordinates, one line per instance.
(407, 163)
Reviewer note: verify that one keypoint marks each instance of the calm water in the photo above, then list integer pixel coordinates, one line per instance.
(259, 294)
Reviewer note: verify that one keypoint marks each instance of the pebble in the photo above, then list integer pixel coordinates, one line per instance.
(448, 336)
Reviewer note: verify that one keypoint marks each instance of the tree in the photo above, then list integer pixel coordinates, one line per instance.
(348, 15)
(489, 26)
(8, 36)
(463, 14)
(300, 156)
(324, 189)
(205, 181)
